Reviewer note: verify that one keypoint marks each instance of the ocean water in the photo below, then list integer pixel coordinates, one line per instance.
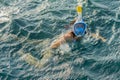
(28, 27)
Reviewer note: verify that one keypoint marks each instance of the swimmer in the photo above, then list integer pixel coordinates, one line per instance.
(79, 31)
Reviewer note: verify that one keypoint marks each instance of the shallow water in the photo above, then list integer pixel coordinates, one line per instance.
(28, 27)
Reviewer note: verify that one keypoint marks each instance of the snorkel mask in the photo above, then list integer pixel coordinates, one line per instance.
(79, 28)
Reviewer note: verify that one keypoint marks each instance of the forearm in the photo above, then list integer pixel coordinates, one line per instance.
(57, 43)
(98, 37)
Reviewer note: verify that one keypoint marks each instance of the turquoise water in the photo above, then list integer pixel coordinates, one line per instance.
(27, 28)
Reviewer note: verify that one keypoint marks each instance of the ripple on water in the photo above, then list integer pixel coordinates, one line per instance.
(27, 28)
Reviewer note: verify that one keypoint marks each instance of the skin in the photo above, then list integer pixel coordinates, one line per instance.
(62, 39)
(98, 37)
(69, 36)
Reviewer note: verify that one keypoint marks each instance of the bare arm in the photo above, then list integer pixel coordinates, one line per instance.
(61, 40)
(98, 37)
(57, 43)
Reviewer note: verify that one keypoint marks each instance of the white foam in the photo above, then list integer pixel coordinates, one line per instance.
(4, 37)
(100, 5)
(113, 35)
(97, 33)
(4, 16)
(44, 5)
(4, 19)
(64, 48)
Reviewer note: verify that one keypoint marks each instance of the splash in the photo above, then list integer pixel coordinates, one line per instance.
(4, 16)
(113, 35)
(113, 29)
(99, 5)
(64, 48)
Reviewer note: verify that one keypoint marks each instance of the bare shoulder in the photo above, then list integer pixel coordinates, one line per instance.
(62, 39)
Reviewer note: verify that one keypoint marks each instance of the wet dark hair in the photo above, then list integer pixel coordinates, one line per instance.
(73, 34)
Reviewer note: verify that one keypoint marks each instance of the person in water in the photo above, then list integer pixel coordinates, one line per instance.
(79, 30)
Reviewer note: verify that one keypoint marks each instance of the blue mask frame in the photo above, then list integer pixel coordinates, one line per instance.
(80, 28)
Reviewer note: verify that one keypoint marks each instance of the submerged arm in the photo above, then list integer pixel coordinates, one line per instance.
(98, 37)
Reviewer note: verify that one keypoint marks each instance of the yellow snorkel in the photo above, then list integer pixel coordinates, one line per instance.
(80, 26)
(79, 10)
